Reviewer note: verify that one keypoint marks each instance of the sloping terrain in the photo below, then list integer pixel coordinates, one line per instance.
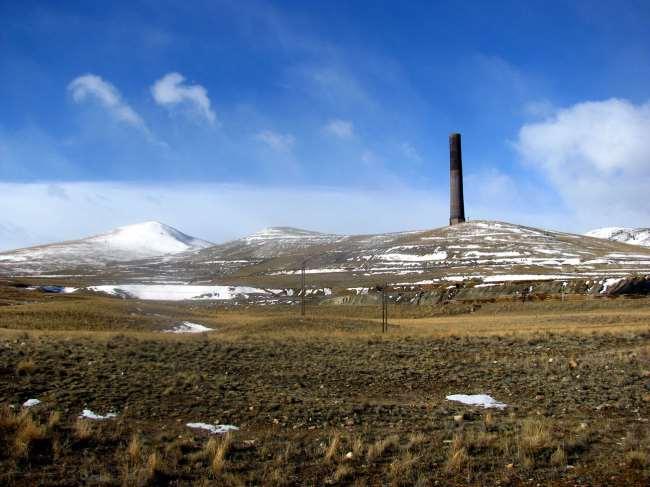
(480, 249)
(131, 242)
(634, 236)
(485, 251)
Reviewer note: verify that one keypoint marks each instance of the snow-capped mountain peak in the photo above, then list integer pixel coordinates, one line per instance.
(131, 242)
(152, 238)
(634, 236)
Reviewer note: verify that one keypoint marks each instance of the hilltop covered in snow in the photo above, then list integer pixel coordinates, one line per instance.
(633, 236)
(131, 242)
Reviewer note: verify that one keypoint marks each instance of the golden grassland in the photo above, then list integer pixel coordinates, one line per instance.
(324, 399)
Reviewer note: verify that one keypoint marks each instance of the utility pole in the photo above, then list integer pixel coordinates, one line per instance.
(384, 309)
(303, 291)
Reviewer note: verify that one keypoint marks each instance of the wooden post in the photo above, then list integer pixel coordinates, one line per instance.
(302, 285)
(384, 309)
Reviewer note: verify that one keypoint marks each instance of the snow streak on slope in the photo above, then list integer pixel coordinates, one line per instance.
(139, 241)
(634, 236)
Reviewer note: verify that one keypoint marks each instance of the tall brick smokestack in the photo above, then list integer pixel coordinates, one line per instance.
(456, 202)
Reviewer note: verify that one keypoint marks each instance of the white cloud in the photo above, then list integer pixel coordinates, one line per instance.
(276, 141)
(171, 91)
(597, 156)
(342, 129)
(108, 96)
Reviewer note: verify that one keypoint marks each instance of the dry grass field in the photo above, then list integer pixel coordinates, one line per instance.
(326, 399)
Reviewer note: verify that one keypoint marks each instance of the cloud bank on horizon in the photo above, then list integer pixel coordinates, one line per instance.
(295, 116)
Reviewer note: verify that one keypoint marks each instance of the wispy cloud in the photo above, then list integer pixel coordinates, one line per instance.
(172, 92)
(343, 129)
(276, 141)
(93, 87)
(411, 152)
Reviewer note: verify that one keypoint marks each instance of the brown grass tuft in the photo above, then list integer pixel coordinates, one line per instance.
(134, 449)
(489, 421)
(54, 419)
(357, 447)
(218, 463)
(534, 436)
(377, 449)
(154, 465)
(401, 468)
(28, 432)
(8, 418)
(457, 459)
(415, 440)
(83, 429)
(333, 448)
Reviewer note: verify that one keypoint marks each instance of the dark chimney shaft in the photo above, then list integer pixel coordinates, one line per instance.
(456, 202)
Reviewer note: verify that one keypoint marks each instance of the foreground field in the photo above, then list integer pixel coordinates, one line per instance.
(324, 399)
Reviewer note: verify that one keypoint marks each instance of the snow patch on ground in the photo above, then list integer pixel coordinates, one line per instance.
(188, 327)
(477, 400)
(609, 283)
(170, 292)
(215, 429)
(88, 414)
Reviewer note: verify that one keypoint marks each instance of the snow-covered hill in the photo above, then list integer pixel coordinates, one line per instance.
(485, 250)
(131, 242)
(634, 236)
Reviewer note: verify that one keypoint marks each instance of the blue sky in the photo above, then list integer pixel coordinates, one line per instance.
(273, 105)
